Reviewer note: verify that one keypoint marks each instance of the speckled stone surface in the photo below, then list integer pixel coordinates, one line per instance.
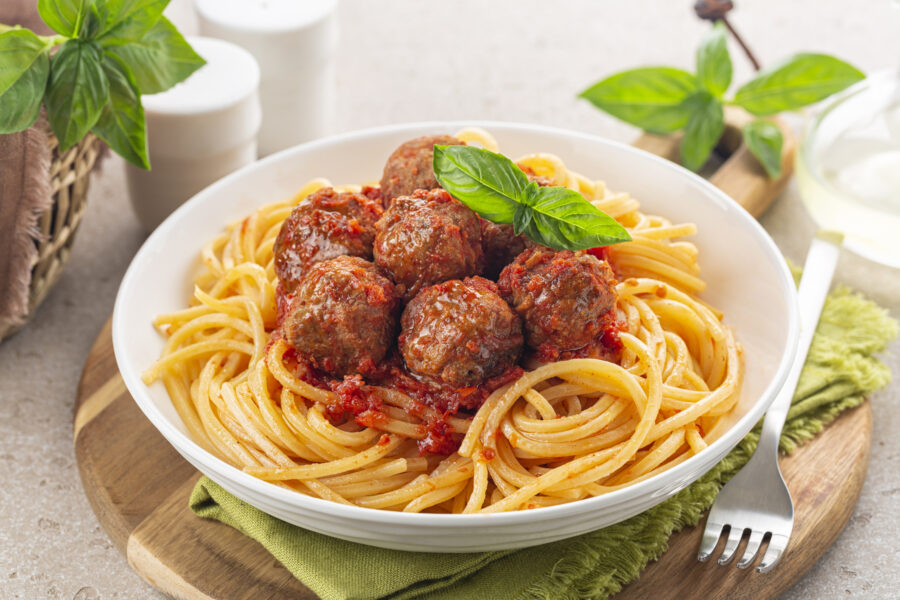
(407, 60)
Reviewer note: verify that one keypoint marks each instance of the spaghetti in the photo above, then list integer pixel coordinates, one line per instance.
(560, 432)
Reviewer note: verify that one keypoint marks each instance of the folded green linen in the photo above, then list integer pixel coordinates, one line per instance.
(839, 373)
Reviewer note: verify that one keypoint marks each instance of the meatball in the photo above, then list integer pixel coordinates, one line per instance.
(460, 332)
(501, 246)
(561, 295)
(343, 316)
(324, 225)
(427, 238)
(409, 167)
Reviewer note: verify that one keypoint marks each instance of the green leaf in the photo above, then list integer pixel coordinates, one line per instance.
(489, 182)
(714, 62)
(764, 141)
(703, 130)
(123, 21)
(799, 81)
(77, 91)
(90, 26)
(651, 97)
(495, 188)
(566, 221)
(121, 122)
(160, 59)
(64, 16)
(24, 68)
(522, 219)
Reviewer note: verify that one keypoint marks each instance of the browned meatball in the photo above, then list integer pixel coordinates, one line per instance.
(427, 238)
(324, 225)
(343, 316)
(409, 167)
(561, 295)
(460, 332)
(501, 246)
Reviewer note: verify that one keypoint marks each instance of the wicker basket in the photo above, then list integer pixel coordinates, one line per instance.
(69, 177)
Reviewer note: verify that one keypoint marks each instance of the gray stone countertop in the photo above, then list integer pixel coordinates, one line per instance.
(408, 60)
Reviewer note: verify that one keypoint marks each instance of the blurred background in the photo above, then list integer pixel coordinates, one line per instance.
(407, 60)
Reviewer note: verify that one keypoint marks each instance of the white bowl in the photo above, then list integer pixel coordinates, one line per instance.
(747, 276)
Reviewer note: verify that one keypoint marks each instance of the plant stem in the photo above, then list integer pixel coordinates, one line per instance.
(740, 41)
(53, 40)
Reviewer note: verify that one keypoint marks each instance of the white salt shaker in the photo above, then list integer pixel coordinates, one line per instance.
(294, 42)
(198, 131)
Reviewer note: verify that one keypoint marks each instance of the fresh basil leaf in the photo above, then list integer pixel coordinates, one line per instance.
(566, 221)
(123, 21)
(651, 97)
(764, 140)
(24, 68)
(64, 16)
(77, 90)
(521, 219)
(714, 62)
(495, 188)
(160, 59)
(485, 181)
(91, 24)
(703, 130)
(799, 81)
(121, 123)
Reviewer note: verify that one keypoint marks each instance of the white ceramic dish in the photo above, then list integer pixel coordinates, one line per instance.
(747, 278)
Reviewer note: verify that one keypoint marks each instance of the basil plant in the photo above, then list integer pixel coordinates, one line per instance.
(91, 74)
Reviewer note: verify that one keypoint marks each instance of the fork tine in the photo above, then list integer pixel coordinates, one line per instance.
(756, 538)
(734, 539)
(773, 554)
(711, 536)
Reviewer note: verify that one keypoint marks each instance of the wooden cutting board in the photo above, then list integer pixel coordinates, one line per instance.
(139, 485)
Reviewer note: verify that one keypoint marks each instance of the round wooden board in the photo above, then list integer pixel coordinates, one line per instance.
(139, 488)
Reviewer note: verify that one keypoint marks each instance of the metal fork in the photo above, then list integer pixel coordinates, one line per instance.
(757, 499)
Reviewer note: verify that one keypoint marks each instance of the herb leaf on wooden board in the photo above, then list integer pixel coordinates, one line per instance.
(714, 62)
(24, 68)
(121, 122)
(650, 97)
(801, 80)
(703, 130)
(64, 16)
(495, 188)
(77, 91)
(158, 60)
(764, 140)
(665, 99)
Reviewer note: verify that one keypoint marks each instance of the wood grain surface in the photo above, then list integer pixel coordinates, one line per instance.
(139, 486)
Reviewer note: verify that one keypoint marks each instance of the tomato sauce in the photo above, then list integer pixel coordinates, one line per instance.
(360, 400)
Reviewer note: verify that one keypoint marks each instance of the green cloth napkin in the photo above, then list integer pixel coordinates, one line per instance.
(840, 372)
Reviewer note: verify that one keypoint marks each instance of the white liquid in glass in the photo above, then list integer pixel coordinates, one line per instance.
(849, 170)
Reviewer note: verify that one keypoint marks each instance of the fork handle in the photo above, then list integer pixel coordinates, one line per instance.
(817, 273)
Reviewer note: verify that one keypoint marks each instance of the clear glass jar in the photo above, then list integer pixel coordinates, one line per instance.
(848, 167)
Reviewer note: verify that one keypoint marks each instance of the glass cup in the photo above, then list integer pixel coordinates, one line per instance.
(848, 167)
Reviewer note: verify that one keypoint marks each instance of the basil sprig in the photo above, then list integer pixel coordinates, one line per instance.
(110, 52)
(498, 190)
(665, 99)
